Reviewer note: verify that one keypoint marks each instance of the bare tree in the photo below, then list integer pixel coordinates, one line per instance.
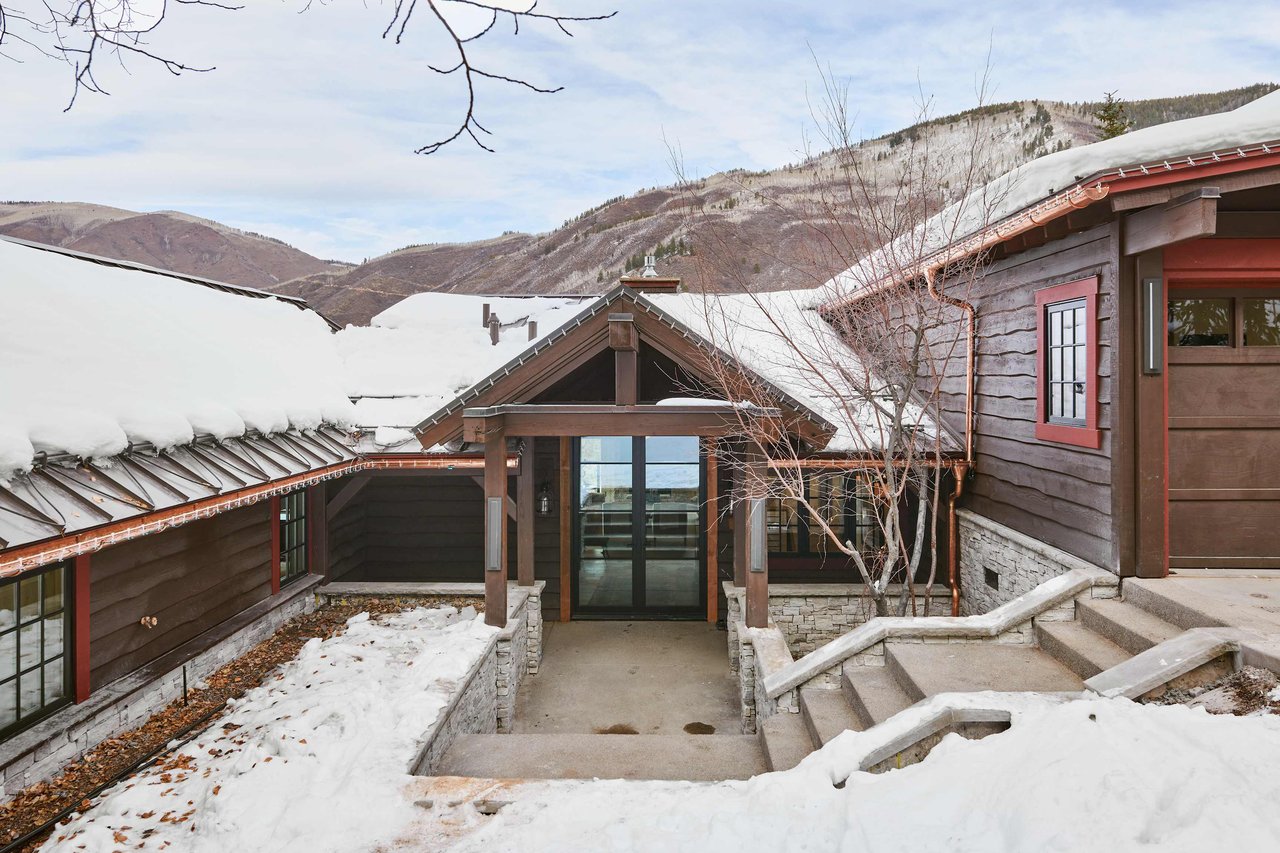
(80, 33)
(881, 362)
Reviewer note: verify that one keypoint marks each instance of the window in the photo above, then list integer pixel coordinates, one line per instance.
(1066, 331)
(293, 536)
(844, 501)
(1222, 318)
(35, 636)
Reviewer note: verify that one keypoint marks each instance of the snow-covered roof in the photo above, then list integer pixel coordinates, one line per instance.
(96, 355)
(419, 354)
(1164, 147)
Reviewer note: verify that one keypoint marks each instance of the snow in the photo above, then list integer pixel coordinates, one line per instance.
(314, 760)
(94, 357)
(1254, 123)
(782, 339)
(1104, 774)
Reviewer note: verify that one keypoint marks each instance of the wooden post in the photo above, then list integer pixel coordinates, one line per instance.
(625, 343)
(1152, 410)
(566, 533)
(274, 509)
(757, 557)
(713, 534)
(739, 497)
(81, 581)
(524, 517)
(317, 531)
(495, 528)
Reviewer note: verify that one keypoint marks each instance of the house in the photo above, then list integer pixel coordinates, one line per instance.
(1125, 300)
(185, 462)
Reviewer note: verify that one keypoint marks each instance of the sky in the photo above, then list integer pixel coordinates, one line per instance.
(306, 128)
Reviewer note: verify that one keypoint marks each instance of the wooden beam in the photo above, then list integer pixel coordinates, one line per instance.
(1151, 452)
(622, 332)
(625, 343)
(1185, 218)
(578, 420)
(513, 511)
(1120, 202)
(349, 490)
(1126, 346)
(757, 562)
(495, 529)
(713, 534)
(739, 530)
(1248, 223)
(566, 533)
(524, 520)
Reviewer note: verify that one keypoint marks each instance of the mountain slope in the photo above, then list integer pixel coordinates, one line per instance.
(166, 239)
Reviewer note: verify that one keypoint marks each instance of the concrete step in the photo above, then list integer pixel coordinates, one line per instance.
(1171, 601)
(784, 741)
(826, 713)
(708, 758)
(1131, 628)
(1084, 652)
(873, 693)
(926, 669)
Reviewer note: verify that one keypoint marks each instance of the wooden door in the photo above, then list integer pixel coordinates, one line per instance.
(1224, 425)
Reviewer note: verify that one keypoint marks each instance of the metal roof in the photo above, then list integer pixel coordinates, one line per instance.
(64, 496)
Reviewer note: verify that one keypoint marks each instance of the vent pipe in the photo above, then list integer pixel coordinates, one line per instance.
(495, 327)
(533, 329)
(484, 314)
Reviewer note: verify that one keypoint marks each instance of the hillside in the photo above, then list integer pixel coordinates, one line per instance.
(767, 217)
(165, 239)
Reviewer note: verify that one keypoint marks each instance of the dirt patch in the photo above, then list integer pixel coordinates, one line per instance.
(1245, 692)
(699, 729)
(42, 801)
(618, 729)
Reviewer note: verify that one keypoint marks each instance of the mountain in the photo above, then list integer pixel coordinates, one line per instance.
(756, 225)
(165, 239)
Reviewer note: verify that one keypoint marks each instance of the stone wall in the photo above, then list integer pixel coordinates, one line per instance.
(998, 564)
(471, 711)
(512, 662)
(40, 752)
(761, 652)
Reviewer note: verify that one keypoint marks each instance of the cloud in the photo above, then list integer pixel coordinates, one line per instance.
(306, 128)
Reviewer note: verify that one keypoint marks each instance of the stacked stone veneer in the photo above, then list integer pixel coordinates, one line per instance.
(1019, 563)
(472, 711)
(40, 753)
(760, 652)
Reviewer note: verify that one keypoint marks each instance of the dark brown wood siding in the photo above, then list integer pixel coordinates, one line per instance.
(189, 578)
(1056, 493)
(546, 529)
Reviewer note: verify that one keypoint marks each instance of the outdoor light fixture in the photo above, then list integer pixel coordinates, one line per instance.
(1153, 325)
(544, 500)
(493, 534)
(756, 533)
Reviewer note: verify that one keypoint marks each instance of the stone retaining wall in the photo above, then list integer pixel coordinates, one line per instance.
(998, 564)
(472, 711)
(42, 751)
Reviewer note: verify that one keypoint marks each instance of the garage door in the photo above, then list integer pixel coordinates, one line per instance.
(1224, 426)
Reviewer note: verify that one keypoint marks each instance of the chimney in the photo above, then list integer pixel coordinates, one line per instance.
(533, 329)
(495, 327)
(484, 314)
(650, 267)
(650, 280)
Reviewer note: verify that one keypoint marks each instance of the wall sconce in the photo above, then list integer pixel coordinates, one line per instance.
(1154, 326)
(543, 502)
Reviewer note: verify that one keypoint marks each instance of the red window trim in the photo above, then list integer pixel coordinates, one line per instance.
(1079, 436)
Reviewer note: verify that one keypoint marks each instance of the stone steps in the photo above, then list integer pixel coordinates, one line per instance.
(1084, 652)
(926, 669)
(826, 714)
(873, 693)
(785, 741)
(708, 758)
(1169, 602)
(1130, 627)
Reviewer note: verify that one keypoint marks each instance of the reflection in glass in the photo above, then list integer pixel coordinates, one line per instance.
(604, 518)
(1197, 322)
(672, 512)
(1262, 322)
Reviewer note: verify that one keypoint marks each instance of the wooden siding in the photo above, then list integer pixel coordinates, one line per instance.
(1056, 493)
(546, 529)
(189, 578)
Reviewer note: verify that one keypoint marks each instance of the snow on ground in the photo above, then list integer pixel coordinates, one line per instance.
(312, 761)
(1104, 775)
(93, 357)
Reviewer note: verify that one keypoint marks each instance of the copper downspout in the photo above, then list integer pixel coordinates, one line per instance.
(961, 470)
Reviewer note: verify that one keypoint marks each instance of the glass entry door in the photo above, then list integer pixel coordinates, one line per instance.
(638, 526)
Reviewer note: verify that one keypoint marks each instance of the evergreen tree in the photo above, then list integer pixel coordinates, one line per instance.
(1110, 117)
(600, 276)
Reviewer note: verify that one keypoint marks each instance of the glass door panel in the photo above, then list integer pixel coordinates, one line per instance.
(672, 529)
(605, 515)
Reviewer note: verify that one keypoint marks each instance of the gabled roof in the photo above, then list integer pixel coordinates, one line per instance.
(98, 356)
(1049, 186)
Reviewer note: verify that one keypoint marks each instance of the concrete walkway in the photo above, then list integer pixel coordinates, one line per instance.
(620, 700)
(649, 678)
(1237, 599)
